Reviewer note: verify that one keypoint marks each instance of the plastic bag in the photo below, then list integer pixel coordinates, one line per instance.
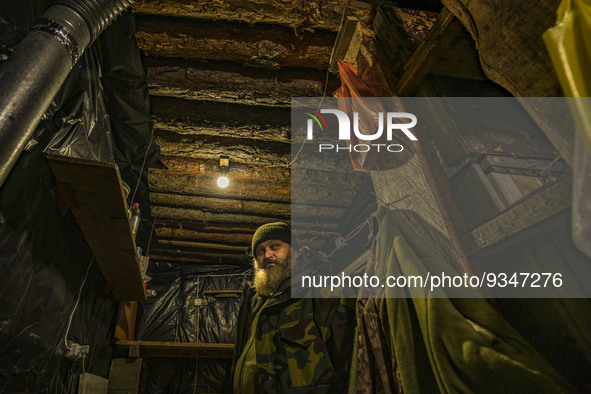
(569, 46)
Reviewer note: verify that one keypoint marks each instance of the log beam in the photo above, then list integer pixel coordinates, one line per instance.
(229, 236)
(189, 117)
(294, 14)
(263, 46)
(166, 182)
(210, 147)
(232, 83)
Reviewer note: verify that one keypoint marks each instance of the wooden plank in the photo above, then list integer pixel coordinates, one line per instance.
(102, 217)
(180, 349)
(531, 210)
(343, 42)
(524, 166)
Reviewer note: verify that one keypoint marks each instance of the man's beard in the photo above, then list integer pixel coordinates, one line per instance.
(266, 281)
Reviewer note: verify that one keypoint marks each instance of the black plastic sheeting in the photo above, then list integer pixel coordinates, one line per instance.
(128, 106)
(353, 227)
(43, 260)
(101, 112)
(171, 316)
(76, 121)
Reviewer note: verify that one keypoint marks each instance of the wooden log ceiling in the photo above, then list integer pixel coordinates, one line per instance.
(221, 76)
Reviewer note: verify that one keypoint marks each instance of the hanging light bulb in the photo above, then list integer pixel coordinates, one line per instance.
(224, 169)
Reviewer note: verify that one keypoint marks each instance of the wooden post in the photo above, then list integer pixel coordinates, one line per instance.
(126, 321)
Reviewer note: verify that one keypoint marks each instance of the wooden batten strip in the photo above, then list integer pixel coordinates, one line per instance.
(531, 210)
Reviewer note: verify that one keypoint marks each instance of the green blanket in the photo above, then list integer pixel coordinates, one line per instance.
(452, 345)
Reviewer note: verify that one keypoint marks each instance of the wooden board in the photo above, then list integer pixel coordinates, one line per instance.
(528, 212)
(180, 349)
(101, 213)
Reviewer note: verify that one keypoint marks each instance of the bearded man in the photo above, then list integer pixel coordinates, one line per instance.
(284, 344)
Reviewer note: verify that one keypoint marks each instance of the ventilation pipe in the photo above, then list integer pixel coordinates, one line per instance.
(35, 70)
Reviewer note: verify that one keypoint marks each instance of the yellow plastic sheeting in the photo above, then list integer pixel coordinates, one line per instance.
(569, 46)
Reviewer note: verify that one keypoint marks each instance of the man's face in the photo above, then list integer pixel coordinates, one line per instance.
(272, 265)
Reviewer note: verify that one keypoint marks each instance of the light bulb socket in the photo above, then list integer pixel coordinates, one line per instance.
(223, 171)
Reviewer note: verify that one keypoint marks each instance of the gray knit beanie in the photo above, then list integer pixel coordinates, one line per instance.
(276, 230)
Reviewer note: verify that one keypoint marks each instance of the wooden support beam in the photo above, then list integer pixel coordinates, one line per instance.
(210, 147)
(126, 321)
(524, 166)
(219, 205)
(187, 165)
(232, 83)
(212, 217)
(180, 349)
(293, 14)
(263, 46)
(238, 120)
(225, 216)
(202, 245)
(164, 181)
(529, 211)
(176, 256)
(445, 29)
(229, 236)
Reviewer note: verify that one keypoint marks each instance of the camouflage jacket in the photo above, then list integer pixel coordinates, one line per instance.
(303, 345)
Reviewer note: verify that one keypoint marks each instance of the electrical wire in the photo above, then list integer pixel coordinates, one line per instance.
(143, 164)
(151, 233)
(76, 305)
(352, 234)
